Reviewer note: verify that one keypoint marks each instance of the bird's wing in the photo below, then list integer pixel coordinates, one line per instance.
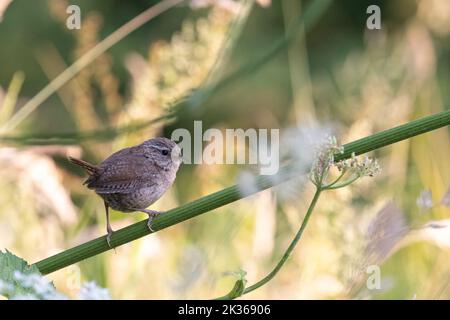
(123, 172)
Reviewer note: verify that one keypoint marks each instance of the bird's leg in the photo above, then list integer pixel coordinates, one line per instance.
(108, 226)
(151, 215)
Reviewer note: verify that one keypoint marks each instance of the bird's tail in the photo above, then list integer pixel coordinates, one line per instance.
(90, 168)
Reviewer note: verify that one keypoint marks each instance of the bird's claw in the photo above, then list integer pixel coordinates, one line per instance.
(108, 238)
(151, 215)
(149, 224)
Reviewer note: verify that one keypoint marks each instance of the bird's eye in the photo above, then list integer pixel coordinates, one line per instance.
(165, 152)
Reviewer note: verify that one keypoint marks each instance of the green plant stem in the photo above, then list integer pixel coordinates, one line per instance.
(291, 247)
(140, 229)
(341, 185)
(336, 180)
(395, 134)
(231, 194)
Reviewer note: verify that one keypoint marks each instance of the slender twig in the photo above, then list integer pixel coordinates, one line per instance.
(231, 194)
(395, 134)
(343, 184)
(320, 187)
(289, 250)
(87, 59)
(337, 179)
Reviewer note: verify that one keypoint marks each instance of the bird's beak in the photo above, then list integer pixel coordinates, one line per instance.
(177, 156)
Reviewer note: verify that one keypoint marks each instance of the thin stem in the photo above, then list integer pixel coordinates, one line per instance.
(335, 181)
(291, 247)
(341, 185)
(231, 194)
(319, 188)
(87, 59)
(395, 134)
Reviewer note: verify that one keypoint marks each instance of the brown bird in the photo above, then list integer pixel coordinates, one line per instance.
(133, 178)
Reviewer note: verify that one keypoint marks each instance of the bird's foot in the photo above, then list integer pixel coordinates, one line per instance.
(108, 237)
(151, 215)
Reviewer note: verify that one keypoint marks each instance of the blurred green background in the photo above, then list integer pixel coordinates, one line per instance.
(337, 74)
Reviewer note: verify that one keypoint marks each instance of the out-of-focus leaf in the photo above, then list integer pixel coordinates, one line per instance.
(9, 264)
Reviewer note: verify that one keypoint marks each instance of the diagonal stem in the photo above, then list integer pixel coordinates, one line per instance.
(291, 247)
(231, 194)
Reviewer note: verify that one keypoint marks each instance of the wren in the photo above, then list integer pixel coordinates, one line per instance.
(133, 178)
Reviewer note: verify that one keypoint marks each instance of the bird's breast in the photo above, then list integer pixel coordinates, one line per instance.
(139, 199)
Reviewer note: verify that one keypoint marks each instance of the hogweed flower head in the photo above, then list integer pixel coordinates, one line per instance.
(354, 167)
(324, 159)
(366, 167)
